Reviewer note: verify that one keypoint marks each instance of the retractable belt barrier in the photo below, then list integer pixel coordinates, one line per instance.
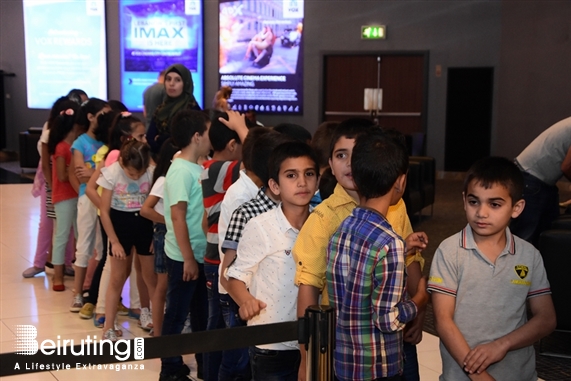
(53, 355)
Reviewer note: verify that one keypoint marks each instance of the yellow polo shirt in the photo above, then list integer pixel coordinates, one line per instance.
(310, 249)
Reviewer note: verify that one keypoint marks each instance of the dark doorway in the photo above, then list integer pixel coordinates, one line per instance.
(468, 117)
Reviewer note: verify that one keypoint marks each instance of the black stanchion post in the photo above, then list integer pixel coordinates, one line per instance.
(320, 324)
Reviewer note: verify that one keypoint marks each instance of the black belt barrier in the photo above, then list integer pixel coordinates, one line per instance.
(90, 353)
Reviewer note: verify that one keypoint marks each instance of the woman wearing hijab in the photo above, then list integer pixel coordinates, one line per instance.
(179, 88)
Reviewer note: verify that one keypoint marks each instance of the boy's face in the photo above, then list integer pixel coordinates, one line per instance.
(297, 181)
(489, 211)
(340, 162)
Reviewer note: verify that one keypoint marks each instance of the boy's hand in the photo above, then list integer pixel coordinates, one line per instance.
(251, 308)
(189, 270)
(416, 241)
(421, 297)
(235, 122)
(118, 251)
(484, 376)
(83, 172)
(413, 331)
(479, 358)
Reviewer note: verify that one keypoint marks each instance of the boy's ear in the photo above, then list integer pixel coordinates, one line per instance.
(231, 145)
(274, 187)
(331, 166)
(400, 184)
(90, 117)
(517, 208)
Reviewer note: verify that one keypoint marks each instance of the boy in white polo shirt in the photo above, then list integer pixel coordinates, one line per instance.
(261, 279)
(480, 280)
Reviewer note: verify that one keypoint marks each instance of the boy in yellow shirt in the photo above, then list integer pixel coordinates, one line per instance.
(310, 249)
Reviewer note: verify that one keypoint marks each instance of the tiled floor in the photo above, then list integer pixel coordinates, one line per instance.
(31, 301)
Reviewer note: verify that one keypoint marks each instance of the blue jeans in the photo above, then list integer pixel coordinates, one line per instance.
(212, 360)
(181, 298)
(236, 362)
(541, 208)
(270, 365)
(410, 370)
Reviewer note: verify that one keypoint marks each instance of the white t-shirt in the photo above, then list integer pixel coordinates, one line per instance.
(128, 194)
(44, 137)
(243, 190)
(265, 264)
(158, 190)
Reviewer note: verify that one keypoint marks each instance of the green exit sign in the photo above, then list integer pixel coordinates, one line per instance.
(373, 32)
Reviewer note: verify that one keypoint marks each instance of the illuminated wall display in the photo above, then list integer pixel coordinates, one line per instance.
(261, 54)
(65, 49)
(154, 35)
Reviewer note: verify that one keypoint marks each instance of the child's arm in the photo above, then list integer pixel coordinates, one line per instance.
(444, 306)
(148, 211)
(180, 227)
(91, 187)
(61, 169)
(415, 243)
(116, 248)
(81, 171)
(72, 179)
(46, 157)
(540, 325)
(249, 306)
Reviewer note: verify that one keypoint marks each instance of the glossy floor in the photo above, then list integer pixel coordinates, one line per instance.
(31, 301)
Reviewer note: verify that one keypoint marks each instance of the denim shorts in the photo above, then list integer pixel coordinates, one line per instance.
(159, 231)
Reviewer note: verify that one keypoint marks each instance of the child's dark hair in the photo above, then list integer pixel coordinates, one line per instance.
(61, 126)
(104, 124)
(61, 104)
(121, 130)
(376, 163)
(253, 134)
(289, 150)
(117, 106)
(350, 129)
(321, 142)
(497, 170)
(219, 134)
(327, 184)
(294, 131)
(185, 124)
(136, 155)
(92, 106)
(168, 149)
(75, 95)
(262, 150)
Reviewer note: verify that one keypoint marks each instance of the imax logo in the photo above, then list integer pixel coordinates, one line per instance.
(26, 344)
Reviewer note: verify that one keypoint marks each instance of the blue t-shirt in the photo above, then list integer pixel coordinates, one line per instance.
(182, 183)
(88, 148)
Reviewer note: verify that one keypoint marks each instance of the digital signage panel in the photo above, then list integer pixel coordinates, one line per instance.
(154, 35)
(261, 54)
(65, 49)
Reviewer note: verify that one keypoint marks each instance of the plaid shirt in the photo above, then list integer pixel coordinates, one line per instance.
(366, 280)
(258, 205)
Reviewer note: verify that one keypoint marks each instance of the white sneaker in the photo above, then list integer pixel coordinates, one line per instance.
(110, 335)
(145, 320)
(77, 303)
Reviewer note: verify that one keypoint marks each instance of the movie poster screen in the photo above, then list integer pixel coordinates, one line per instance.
(261, 54)
(154, 35)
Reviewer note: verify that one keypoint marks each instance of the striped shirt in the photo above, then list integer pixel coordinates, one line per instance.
(258, 205)
(216, 179)
(366, 280)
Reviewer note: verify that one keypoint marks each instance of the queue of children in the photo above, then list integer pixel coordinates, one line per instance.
(230, 226)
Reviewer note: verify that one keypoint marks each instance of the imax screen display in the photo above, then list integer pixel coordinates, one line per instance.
(155, 35)
(65, 49)
(261, 54)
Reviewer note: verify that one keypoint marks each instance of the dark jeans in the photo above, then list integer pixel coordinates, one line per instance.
(181, 298)
(410, 369)
(270, 365)
(236, 362)
(541, 208)
(212, 360)
(96, 280)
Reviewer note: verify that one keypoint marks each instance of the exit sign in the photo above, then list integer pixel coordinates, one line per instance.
(373, 32)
